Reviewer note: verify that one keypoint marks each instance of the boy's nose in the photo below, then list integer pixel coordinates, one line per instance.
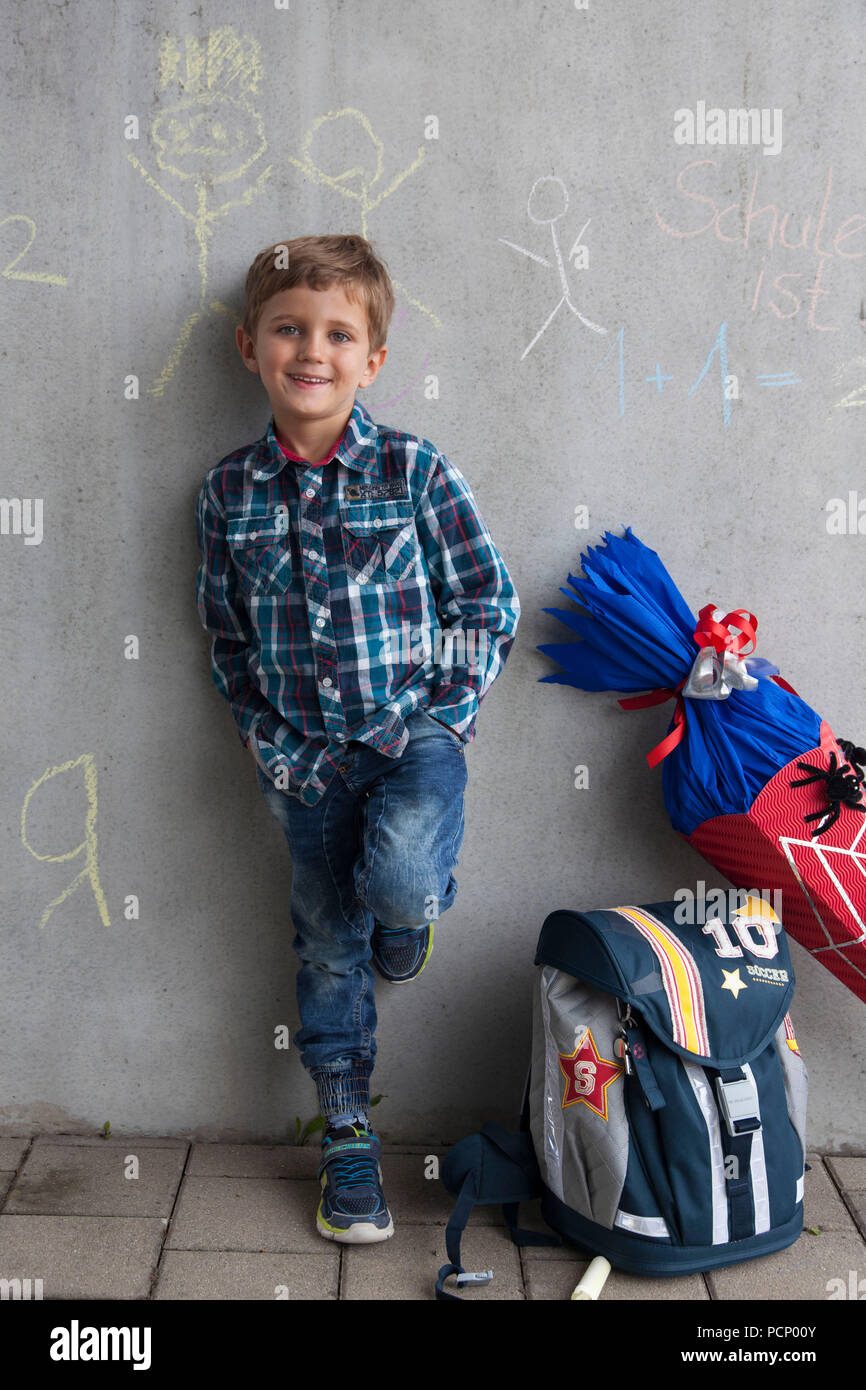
(313, 347)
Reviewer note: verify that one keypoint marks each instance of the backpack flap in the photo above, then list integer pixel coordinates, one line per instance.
(715, 993)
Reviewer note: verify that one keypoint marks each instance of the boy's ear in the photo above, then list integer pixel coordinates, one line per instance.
(246, 348)
(374, 364)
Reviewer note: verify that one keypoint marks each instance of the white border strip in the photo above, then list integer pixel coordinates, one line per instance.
(643, 1225)
(704, 1097)
(758, 1168)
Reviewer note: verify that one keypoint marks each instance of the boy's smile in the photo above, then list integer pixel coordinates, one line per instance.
(312, 352)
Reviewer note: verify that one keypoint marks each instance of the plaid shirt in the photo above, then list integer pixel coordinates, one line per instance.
(342, 597)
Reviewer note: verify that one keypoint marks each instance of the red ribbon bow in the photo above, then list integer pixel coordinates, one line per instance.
(710, 632)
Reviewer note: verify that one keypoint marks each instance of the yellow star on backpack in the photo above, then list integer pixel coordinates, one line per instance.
(733, 982)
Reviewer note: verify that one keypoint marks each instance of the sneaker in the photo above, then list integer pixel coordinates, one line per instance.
(400, 953)
(352, 1207)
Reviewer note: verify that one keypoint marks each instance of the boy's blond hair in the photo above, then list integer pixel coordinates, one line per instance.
(320, 262)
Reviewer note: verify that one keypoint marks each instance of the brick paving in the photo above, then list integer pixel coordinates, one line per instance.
(164, 1219)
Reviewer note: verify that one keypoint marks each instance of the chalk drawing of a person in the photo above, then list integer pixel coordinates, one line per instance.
(348, 134)
(212, 136)
(541, 201)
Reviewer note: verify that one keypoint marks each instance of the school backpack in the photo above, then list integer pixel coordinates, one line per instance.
(664, 1117)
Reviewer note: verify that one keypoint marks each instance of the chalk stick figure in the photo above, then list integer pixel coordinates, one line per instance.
(540, 200)
(212, 136)
(338, 131)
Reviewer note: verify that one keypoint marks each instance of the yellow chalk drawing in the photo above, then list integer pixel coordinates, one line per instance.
(365, 176)
(88, 844)
(212, 136)
(858, 395)
(40, 276)
(855, 397)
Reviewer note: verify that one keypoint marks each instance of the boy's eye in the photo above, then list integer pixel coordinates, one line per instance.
(292, 328)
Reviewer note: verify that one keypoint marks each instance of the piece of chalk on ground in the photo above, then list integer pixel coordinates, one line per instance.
(593, 1279)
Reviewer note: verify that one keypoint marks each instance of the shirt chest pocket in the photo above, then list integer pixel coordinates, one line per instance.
(263, 553)
(380, 543)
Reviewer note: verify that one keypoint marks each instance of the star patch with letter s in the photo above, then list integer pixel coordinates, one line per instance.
(588, 1076)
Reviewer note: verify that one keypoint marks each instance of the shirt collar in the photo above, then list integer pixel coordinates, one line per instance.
(357, 447)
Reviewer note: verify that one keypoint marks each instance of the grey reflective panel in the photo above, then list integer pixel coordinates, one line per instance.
(796, 1084)
(583, 1155)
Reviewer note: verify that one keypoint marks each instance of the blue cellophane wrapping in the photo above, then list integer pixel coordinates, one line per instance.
(636, 632)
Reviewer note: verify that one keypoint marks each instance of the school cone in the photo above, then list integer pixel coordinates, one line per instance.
(753, 778)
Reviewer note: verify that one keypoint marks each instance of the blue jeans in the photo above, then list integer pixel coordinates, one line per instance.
(380, 846)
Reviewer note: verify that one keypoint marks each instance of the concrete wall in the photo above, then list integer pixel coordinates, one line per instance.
(125, 252)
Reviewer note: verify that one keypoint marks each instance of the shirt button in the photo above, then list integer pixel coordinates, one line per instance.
(327, 681)
(320, 622)
(254, 535)
(377, 521)
(312, 554)
(310, 492)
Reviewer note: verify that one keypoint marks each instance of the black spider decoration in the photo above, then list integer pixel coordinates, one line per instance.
(844, 782)
(856, 756)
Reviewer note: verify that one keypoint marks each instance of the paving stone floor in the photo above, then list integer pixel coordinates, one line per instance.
(152, 1218)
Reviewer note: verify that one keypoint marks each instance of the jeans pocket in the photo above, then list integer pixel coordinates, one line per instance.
(455, 738)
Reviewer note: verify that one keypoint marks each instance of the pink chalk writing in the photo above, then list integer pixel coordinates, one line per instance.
(766, 225)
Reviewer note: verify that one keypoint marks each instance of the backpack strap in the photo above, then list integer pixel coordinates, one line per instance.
(524, 1105)
(463, 1207)
(637, 1056)
(738, 1104)
(518, 1150)
(518, 1147)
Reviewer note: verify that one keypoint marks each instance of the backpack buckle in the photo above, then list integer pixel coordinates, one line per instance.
(620, 1043)
(484, 1277)
(626, 1018)
(738, 1101)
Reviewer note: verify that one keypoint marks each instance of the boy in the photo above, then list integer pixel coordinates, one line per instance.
(332, 551)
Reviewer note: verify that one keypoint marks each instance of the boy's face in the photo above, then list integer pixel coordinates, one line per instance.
(307, 333)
